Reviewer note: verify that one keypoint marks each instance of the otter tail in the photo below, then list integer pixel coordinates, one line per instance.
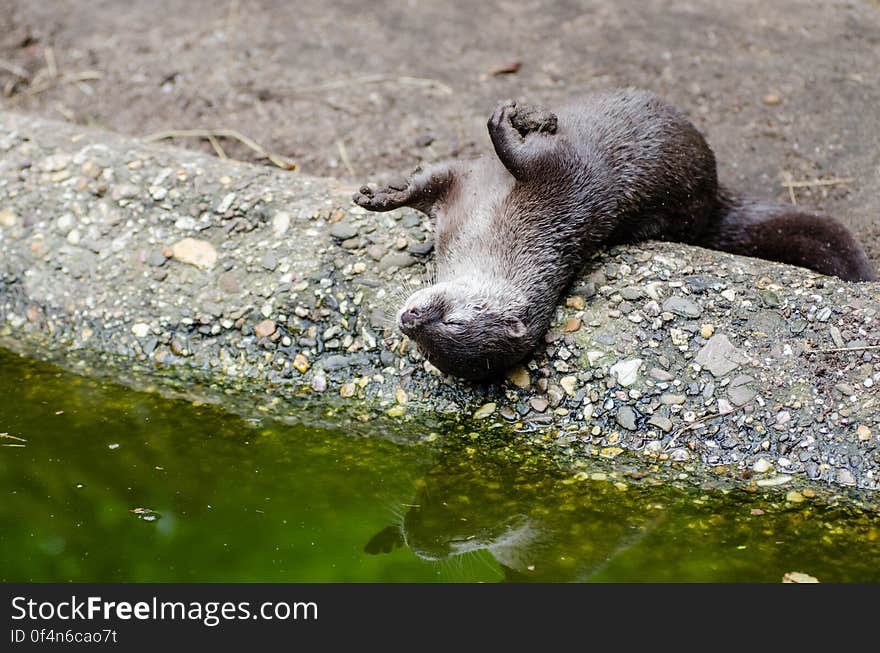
(785, 234)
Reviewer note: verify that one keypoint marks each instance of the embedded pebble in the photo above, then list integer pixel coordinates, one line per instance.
(682, 307)
(626, 417)
(762, 465)
(720, 356)
(343, 230)
(396, 260)
(199, 253)
(661, 422)
(484, 411)
(627, 371)
(301, 363)
(739, 390)
(347, 390)
(264, 329)
(539, 404)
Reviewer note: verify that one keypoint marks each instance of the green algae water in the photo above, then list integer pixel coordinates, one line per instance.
(102, 483)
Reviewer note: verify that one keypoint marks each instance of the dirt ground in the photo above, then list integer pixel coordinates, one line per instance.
(784, 90)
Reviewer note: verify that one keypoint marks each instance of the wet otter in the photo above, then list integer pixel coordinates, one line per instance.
(513, 230)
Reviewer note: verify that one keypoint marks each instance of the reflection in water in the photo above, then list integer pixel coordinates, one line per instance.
(537, 523)
(107, 484)
(540, 524)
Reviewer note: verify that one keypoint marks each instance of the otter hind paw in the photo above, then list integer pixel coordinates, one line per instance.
(524, 119)
(533, 119)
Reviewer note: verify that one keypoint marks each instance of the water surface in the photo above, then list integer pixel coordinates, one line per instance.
(103, 483)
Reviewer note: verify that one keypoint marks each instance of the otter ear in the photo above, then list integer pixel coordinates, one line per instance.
(515, 327)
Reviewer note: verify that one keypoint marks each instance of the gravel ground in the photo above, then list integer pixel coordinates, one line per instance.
(269, 291)
(782, 89)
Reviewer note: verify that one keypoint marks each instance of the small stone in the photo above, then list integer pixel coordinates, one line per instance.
(572, 325)
(519, 376)
(269, 262)
(555, 395)
(794, 497)
(626, 417)
(632, 293)
(396, 260)
(157, 258)
(682, 307)
(280, 223)
(773, 481)
(679, 455)
(264, 329)
(396, 411)
(662, 423)
(769, 298)
(539, 404)
(576, 302)
(140, 330)
(343, 230)
(845, 389)
(626, 371)
(199, 253)
(610, 452)
(724, 406)
(762, 465)
(55, 162)
(400, 396)
(301, 363)
(660, 374)
(347, 390)
(8, 218)
(670, 399)
(319, 383)
(771, 99)
(740, 392)
(228, 283)
(720, 356)
(569, 383)
(484, 411)
(863, 432)
(225, 204)
(707, 330)
(845, 477)
(375, 252)
(824, 314)
(125, 192)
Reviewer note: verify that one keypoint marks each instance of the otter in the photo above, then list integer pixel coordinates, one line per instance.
(512, 230)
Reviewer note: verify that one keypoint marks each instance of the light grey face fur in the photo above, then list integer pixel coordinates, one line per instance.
(466, 330)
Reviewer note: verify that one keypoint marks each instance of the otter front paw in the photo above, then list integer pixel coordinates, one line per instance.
(386, 198)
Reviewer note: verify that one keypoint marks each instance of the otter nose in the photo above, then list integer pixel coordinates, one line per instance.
(411, 317)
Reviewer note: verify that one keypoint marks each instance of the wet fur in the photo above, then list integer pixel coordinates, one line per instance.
(513, 229)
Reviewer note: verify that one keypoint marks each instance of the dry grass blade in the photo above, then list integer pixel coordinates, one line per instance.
(420, 82)
(16, 70)
(67, 78)
(212, 134)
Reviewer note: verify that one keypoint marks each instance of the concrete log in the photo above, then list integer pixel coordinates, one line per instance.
(269, 292)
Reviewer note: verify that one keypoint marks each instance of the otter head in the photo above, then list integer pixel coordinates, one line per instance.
(470, 332)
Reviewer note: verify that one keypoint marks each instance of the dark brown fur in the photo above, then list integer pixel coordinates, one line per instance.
(512, 230)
